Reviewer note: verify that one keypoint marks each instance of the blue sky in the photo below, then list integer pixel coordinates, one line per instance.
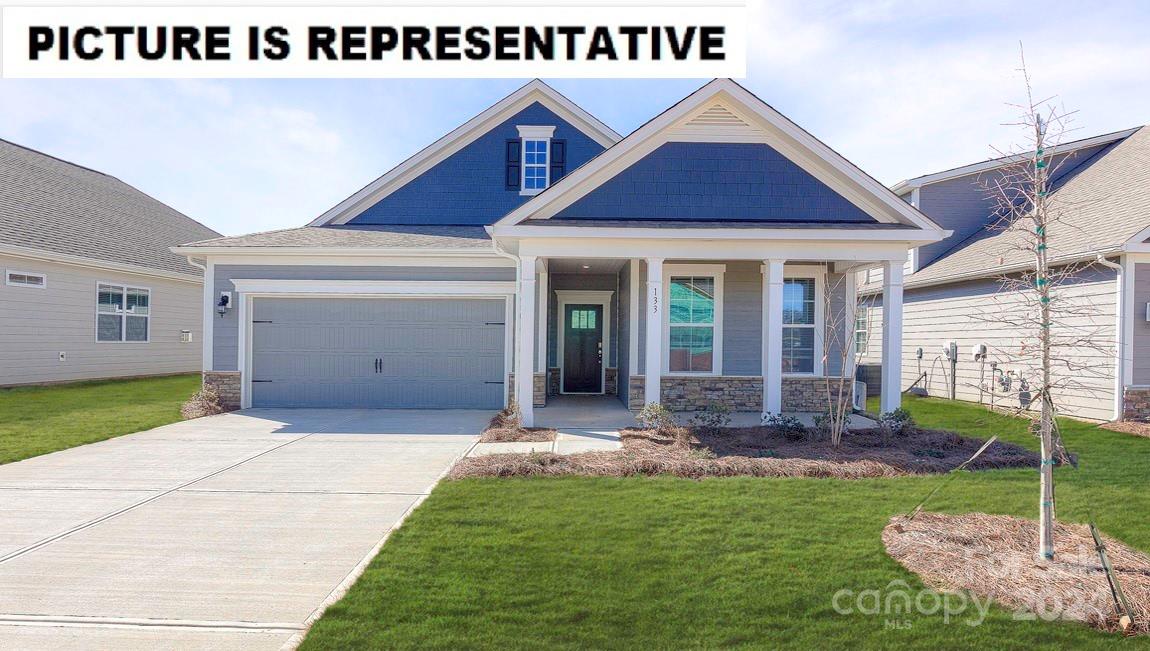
(899, 88)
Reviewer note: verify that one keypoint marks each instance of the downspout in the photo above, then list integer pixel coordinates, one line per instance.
(1120, 300)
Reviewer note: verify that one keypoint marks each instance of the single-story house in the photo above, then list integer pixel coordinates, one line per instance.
(535, 251)
(91, 288)
(954, 289)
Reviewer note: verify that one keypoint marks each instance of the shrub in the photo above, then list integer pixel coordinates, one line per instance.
(825, 421)
(896, 423)
(713, 417)
(205, 402)
(656, 417)
(790, 427)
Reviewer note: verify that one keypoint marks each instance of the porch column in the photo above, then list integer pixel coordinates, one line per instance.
(525, 342)
(653, 374)
(891, 336)
(541, 325)
(772, 336)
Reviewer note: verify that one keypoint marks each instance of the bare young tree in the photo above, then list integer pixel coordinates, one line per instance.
(1054, 326)
(840, 345)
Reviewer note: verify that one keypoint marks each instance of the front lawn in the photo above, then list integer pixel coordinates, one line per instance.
(42, 419)
(677, 563)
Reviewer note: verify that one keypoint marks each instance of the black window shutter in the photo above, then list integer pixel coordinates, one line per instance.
(513, 148)
(558, 159)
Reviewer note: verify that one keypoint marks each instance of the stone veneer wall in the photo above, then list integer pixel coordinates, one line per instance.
(1136, 404)
(611, 387)
(738, 393)
(553, 381)
(612, 381)
(227, 385)
(539, 388)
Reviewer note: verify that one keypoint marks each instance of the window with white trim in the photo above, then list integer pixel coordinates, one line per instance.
(799, 336)
(692, 333)
(862, 329)
(536, 164)
(26, 279)
(122, 313)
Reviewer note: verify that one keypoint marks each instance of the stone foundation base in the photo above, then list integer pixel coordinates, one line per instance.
(226, 384)
(736, 392)
(540, 389)
(612, 381)
(553, 381)
(1136, 404)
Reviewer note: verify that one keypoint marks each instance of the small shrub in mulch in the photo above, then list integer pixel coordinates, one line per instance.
(205, 402)
(506, 426)
(756, 452)
(995, 556)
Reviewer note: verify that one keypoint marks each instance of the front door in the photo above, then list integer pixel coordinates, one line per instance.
(582, 348)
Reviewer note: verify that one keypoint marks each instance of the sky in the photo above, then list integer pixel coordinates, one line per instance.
(900, 89)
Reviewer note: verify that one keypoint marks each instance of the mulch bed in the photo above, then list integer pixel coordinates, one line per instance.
(1128, 427)
(505, 427)
(756, 452)
(995, 556)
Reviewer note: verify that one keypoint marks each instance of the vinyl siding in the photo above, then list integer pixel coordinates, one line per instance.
(225, 330)
(36, 325)
(963, 312)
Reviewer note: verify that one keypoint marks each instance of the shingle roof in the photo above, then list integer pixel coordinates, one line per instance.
(53, 205)
(1103, 205)
(365, 237)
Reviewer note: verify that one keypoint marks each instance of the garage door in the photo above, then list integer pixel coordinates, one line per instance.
(378, 353)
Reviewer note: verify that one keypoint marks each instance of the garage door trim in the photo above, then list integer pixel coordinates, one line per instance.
(248, 290)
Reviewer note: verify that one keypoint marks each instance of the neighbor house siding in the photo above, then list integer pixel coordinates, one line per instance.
(36, 325)
(225, 329)
(969, 313)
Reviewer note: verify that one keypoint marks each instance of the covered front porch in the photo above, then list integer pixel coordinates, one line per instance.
(761, 336)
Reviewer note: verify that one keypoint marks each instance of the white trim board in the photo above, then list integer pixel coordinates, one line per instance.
(564, 297)
(793, 142)
(457, 139)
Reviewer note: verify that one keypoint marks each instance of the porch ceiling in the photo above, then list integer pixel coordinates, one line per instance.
(585, 266)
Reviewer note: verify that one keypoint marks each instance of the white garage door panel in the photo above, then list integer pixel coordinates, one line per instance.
(322, 352)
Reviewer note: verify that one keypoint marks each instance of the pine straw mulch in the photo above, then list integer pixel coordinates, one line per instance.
(505, 427)
(1128, 427)
(994, 556)
(755, 452)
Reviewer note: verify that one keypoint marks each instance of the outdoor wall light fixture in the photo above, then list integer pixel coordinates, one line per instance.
(224, 303)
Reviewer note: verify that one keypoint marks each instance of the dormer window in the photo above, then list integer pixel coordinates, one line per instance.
(535, 160)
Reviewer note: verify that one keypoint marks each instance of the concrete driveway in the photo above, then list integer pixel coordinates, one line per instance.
(232, 531)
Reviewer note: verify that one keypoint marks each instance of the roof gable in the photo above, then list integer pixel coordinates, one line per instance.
(468, 187)
(533, 93)
(715, 181)
(725, 112)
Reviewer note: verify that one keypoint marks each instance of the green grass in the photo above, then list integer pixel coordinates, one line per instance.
(42, 419)
(672, 563)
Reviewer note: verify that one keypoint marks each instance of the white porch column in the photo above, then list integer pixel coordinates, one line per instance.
(653, 374)
(525, 342)
(541, 325)
(772, 336)
(891, 336)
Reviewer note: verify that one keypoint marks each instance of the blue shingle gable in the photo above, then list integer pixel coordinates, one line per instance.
(469, 186)
(715, 181)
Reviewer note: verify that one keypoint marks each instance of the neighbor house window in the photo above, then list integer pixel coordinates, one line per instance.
(122, 312)
(535, 164)
(26, 279)
(693, 335)
(862, 330)
(798, 325)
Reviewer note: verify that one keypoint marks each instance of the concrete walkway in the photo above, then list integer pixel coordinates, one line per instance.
(226, 532)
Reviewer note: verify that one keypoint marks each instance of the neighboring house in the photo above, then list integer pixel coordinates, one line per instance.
(953, 288)
(534, 247)
(91, 288)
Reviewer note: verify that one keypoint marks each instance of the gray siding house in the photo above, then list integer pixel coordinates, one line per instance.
(90, 288)
(953, 288)
(535, 252)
